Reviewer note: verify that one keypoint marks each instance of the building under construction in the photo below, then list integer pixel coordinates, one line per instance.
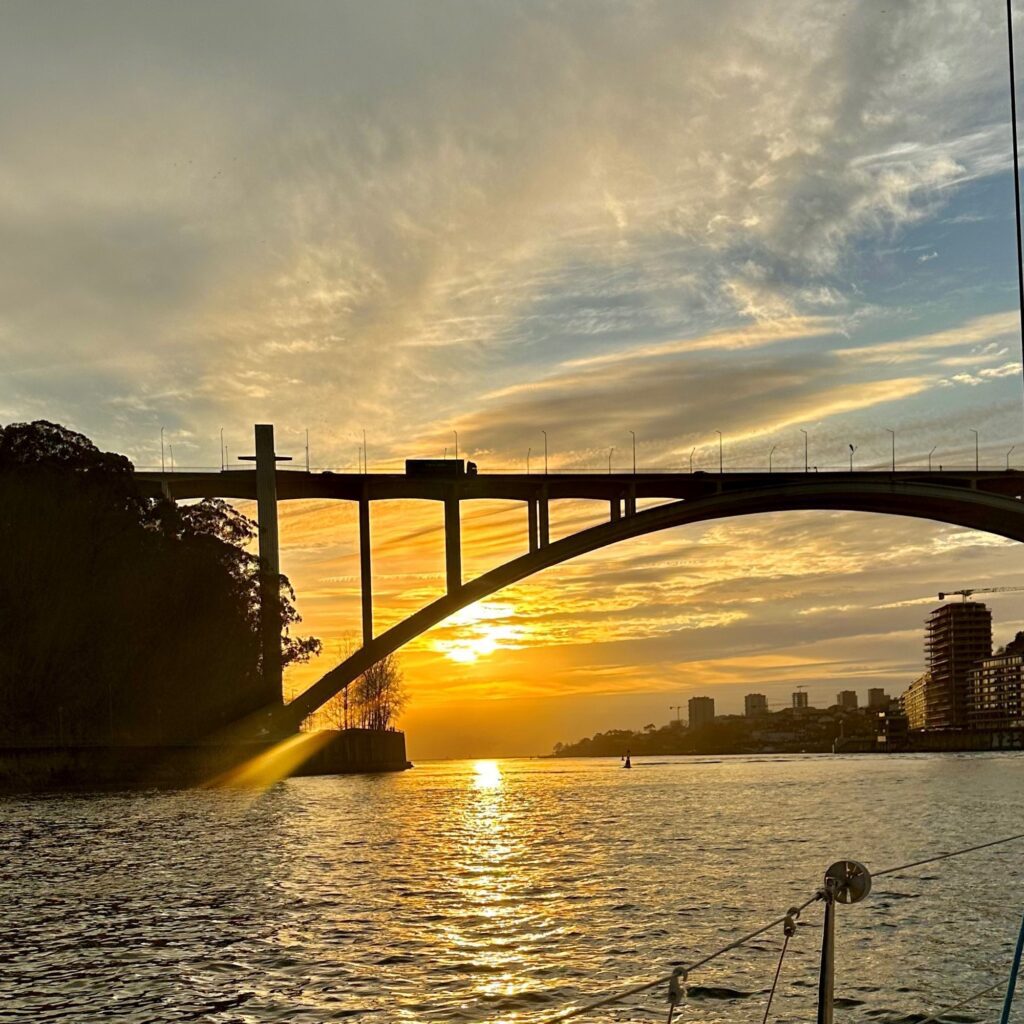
(958, 638)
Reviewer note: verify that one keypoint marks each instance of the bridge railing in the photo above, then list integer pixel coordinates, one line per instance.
(397, 467)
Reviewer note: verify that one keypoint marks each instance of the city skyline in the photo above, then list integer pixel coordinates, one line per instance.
(349, 219)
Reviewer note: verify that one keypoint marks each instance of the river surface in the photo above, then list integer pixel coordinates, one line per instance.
(506, 891)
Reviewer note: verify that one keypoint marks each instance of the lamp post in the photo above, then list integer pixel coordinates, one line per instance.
(171, 450)
(770, 454)
(804, 432)
(633, 435)
(365, 469)
(893, 433)
(930, 454)
(307, 449)
(610, 450)
(692, 450)
(719, 433)
(528, 453)
(222, 460)
(975, 433)
(162, 467)
(1008, 454)
(545, 433)
(852, 450)
(456, 433)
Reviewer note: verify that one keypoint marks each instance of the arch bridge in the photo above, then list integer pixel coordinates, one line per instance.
(986, 500)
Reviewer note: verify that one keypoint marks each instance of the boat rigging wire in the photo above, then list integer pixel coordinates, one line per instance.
(1016, 168)
(963, 1002)
(789, 930)
(616, 997)
(946, 856)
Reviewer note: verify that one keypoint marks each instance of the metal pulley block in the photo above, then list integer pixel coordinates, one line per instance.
(847, 881)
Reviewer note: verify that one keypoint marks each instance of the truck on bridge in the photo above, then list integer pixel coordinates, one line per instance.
(447, 469)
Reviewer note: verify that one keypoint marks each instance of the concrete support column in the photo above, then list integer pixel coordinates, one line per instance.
(616, 507)
(365, 571)
(545, 523)
(270, 562)
(531, 522)
(631, 500)
(452, 542)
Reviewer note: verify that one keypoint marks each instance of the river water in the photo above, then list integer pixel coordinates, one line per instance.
(505, 891)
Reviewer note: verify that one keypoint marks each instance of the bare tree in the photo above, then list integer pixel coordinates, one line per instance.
(379, 694)
(373, 701)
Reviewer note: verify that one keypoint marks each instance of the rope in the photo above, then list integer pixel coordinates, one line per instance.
(617, 997)
(946, 856)
(963, 1002)
(789, 930)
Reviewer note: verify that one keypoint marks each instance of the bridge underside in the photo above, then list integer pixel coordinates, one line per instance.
(918, 496)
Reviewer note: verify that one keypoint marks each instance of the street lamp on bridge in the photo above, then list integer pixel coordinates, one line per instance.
(893, 433)
(528, 451)
(770, 454)
(930, 454)
(719, 433)
(975, 433)
(804, 432)
(633, 433)
(1008, 454)
(692, 450)
(852, 450)
(610, 450)
(162, 467)
(545, 433)
(456, 433)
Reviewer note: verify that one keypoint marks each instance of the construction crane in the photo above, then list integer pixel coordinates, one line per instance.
(943, 594)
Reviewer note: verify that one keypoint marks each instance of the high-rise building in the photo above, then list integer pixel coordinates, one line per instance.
(800, 699)
(958, 638)
(702, 711)
(912, 702)
(755, 704)
(878, 699)
(847, 699)
(995, 689)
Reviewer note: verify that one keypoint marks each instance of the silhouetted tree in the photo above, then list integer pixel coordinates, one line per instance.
(379, 695)
(124, 618)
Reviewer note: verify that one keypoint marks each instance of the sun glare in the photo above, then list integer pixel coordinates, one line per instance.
(487, 775)
(480, 630)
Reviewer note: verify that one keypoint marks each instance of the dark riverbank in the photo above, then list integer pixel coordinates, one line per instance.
(80, 768)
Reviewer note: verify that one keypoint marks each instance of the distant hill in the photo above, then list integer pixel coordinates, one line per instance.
(785, 731)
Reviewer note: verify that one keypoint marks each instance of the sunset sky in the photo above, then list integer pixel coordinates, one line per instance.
(501, 217)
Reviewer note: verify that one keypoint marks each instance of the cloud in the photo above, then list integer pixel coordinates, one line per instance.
(589, 218)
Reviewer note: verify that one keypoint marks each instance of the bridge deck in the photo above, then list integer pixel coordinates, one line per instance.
(295, 484)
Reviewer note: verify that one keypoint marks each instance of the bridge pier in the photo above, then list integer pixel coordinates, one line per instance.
(545, 521)
(631, 499)
(531, 522)
(270, 563)
(452, 543)
(616, 509)
(365, 572)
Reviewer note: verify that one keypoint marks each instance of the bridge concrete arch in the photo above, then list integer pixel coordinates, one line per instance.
(955, 503)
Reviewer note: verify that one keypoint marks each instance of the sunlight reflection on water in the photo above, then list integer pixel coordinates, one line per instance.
(503, 890)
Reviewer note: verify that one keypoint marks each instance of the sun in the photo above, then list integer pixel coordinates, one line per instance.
(480, 630)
